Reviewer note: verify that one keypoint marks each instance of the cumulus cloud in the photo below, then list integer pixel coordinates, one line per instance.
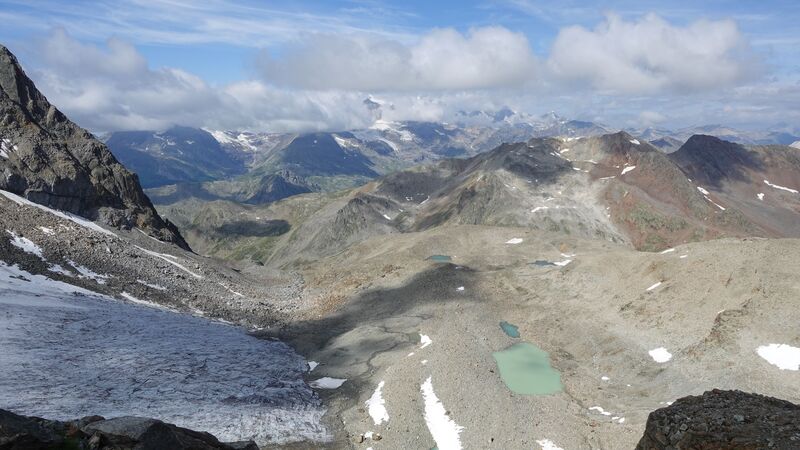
(444, 59)
(651, 55)
(619, 72)
(113, 88)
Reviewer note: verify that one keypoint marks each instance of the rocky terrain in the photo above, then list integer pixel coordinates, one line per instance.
(95, 432)
(500, 300)
(50, 160)
(723, 420)
(611, 187)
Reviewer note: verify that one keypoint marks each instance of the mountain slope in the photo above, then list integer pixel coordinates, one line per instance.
(50, 160)
(611, 187)
(762, 182)
(177, 155)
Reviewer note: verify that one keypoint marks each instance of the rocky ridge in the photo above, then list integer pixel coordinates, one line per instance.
(732, 420)
(19, 432)
(48, 159)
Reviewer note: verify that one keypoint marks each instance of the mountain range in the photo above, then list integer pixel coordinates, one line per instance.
(349, 289)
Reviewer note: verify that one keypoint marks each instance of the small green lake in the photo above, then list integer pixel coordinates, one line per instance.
(542, 263)
(440, 258)
(526, 370)
(510, 329)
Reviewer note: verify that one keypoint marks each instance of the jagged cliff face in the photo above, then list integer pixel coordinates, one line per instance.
(50, 160)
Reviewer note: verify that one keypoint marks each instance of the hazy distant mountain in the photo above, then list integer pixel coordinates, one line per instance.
(177, 155)
(779, 135)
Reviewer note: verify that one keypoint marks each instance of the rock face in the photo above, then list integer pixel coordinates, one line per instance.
(49, 160)
(94, 432)
(723, 420)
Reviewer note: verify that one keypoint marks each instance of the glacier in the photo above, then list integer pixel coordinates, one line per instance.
(66, 352)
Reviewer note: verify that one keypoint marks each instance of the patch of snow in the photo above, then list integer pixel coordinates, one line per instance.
(539, 208)
(562, 263)
(783, 188)
(169, 259)
(683, 256)
(653, 286)
(460, 288)
(424, 361)
(669, 250)
(238, 294)
(376, 406)
(660, 355)
(627, 169)
(514, 241)
(86, 272)
(327, 383)
(443, 429)
(568, 255)
(547, 444)
(56, 268)
(784, 357)
(47, 231)
(157, 287)
(133, 299)
(608, 178)
(635, 141)
(25, 244)
(600, 410)
(387, 217)
(312, 365)
(64, 215)
(605, 378)
(706, 196)
(424, 341)
(760, 196)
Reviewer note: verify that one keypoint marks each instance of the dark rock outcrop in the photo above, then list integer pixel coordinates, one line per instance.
(723, 420)
(94, 432)
(52, 161)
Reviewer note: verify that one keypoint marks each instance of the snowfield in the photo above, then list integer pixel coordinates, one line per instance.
(68, 352)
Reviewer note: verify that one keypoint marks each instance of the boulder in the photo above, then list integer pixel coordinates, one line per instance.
(726, 420)
(25, 433)
(96, 433)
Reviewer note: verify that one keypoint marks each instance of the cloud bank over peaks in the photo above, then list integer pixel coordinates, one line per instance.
(621, 70)
(441, 60)
(650, 56)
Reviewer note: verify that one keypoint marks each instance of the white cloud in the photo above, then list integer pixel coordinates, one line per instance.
(651, 55)
(113, 88)
(443, 59)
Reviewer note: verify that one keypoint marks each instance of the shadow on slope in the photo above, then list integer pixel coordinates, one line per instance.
(711, 160)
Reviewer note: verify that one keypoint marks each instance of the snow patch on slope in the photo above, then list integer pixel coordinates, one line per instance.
(64, 215)
(782, 356)
(376, 406)
(443, 429)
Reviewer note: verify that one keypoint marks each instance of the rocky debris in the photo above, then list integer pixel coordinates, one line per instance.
(723, 420)
(94, 432)
(50, 160)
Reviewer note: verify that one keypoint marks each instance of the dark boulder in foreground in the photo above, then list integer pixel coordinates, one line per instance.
(723, 420)
(94, 432)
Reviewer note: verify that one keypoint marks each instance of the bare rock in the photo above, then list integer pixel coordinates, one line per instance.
(723, 420)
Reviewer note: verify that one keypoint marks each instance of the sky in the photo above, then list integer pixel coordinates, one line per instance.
(308, 65)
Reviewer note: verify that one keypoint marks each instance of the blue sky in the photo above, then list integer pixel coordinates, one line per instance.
(295, 65)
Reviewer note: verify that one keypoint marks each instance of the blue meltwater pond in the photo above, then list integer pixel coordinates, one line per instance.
(526, 370)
